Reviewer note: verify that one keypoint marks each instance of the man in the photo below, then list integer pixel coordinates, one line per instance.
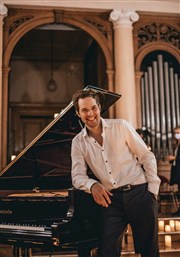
(127, 193)
(175, 163)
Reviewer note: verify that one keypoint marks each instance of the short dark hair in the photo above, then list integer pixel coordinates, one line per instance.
(139, 131)
(83, 93)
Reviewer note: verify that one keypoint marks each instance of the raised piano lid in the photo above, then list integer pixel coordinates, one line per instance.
(46, 162)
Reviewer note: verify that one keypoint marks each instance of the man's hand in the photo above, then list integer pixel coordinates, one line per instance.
(101, 194)
(170, 158)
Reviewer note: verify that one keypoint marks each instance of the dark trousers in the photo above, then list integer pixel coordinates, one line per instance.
(137, 207)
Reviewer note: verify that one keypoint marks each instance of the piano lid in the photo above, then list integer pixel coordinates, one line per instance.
(46, 162)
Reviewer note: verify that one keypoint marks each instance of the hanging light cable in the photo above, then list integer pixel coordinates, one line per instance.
(52, 86)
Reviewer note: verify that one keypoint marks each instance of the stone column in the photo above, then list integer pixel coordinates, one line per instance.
(110, 75)
(124, 64)
(3, 13)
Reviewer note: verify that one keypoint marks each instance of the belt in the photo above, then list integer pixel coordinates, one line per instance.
(126, 188)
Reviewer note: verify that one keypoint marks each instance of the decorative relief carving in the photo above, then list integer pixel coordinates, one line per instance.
(99, 26)
(58, 16)
(169, 34)
(17, 23)
(153, 32)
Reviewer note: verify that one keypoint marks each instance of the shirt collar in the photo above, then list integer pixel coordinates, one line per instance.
(104, 125)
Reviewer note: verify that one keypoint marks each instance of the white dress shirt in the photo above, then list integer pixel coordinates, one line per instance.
(117, 162)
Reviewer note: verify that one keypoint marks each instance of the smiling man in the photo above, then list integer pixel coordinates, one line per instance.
(127, 192)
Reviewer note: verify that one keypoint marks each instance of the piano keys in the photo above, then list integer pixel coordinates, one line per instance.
(38, 205)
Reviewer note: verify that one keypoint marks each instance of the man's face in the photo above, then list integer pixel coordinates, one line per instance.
(89, 112)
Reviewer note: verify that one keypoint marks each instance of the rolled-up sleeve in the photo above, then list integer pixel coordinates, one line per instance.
(80, 179)
(145, 157)
(150, 167)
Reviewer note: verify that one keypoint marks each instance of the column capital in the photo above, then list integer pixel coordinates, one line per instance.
(138, 74)
(3, 9)
(123, 18)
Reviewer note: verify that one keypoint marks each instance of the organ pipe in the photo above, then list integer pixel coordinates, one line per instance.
(156, 96)
(161, 87)
(157, 104)
(147, 101)
(173, 113)
(160, 99)
(177, 97)
(168, 109)
(143, 103)
(152, 112)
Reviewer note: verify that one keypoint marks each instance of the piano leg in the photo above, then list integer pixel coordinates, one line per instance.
(84, 252)
(16, 251)
(21, 252)
(27, 252)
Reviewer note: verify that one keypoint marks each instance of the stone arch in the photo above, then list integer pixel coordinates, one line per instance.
(103, 42)
(151, 47)
(98, 27)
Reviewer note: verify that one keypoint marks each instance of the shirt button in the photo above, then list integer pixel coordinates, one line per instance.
(109, 172)
(106, 161)
(114, 183)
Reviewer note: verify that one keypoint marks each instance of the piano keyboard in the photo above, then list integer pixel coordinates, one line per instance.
(22, 227)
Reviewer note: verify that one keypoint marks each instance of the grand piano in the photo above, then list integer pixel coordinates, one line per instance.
(39, 208)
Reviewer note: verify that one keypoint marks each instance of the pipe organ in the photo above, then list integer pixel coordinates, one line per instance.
(160, 105)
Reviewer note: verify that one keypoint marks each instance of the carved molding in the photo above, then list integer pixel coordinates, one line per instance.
(97, 25)
(58, 16)
(158, 32)
(15, 24)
